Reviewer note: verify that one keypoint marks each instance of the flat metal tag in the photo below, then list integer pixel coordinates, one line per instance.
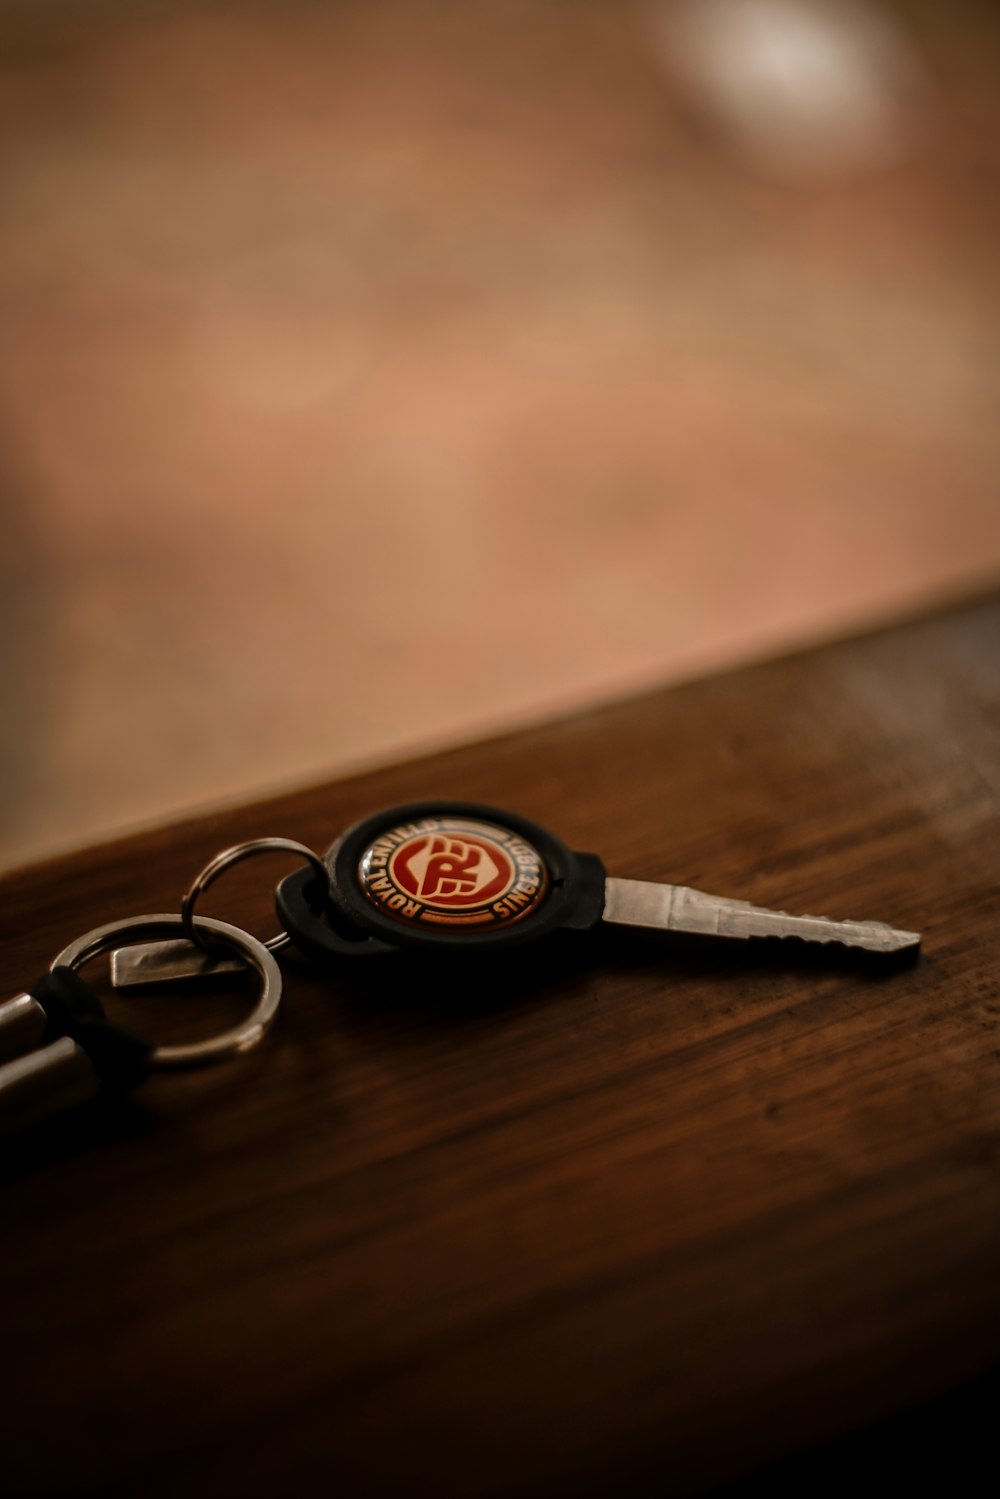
(147, 965)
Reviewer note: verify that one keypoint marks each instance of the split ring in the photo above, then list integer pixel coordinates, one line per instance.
(229, 1043)
(222, 862)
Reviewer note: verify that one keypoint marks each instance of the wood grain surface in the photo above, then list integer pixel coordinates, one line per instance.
(636, 1216)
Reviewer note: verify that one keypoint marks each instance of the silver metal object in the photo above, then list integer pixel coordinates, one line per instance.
(44, 1081)
(676, 908)
(22, 1026)
(229, 1043)
(224, 861)
(150, 964)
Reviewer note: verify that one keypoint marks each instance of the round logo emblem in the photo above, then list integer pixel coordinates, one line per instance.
(453, 871)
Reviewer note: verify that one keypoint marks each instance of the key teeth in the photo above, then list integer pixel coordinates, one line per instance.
(894, 940)
(899, 941)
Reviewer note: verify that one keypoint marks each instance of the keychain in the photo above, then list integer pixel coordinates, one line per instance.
(442, 878)
(459, 877)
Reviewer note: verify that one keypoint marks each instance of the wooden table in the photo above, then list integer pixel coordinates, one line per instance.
(633, 1218)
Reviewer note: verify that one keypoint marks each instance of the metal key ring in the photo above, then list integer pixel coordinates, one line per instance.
(230, 1043)
(230, 856)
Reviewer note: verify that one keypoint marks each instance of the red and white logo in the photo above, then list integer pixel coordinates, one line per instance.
(453, 871)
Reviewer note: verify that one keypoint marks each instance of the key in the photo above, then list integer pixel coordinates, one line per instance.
(458, 876)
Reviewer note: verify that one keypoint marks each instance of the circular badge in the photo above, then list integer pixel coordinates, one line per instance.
(452, 871)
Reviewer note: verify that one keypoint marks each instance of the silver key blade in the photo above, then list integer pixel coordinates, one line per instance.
(676, 908)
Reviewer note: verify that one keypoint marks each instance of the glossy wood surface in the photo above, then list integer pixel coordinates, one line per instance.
(632, 1217)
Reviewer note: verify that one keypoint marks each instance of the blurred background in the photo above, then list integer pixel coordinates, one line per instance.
(374, 375)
